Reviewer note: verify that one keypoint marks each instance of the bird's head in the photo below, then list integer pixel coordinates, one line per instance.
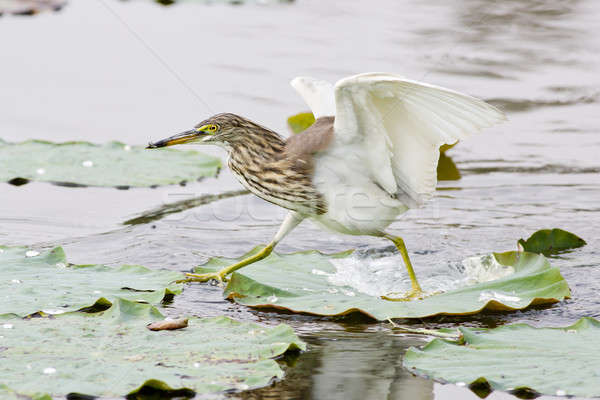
(221, 129)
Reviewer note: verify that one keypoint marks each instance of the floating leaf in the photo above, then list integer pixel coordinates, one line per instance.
(553, 241)
(446, 169)
(112, 354)
(7, 394)
(300, 122)
(300, 282)
(111, 164)
(552, 361)
(30, 7)
(31, 281)
(445, 147)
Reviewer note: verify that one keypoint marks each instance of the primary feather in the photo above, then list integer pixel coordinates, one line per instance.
(400, 123)
(387, 134)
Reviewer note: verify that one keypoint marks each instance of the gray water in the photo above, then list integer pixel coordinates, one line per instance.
(133, 71)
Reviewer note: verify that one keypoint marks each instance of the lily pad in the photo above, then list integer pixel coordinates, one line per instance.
(446, 169)
(31, 282)
(121, 356)
(552, 361)
(30, 7)
(551, 241)
(302, 282)
(112, 164)
(300, 122)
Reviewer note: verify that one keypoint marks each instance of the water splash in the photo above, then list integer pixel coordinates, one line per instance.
(487, 295)
(387, 274)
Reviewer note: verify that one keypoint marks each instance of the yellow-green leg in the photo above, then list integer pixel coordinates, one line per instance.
(289, 223)
(221, 274)
(415, 292)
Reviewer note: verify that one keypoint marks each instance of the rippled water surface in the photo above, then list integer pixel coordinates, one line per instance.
(134, 71)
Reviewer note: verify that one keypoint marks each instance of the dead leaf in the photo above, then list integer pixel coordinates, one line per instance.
(168, 324)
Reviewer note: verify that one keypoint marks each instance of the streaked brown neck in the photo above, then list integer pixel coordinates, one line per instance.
(256, 144)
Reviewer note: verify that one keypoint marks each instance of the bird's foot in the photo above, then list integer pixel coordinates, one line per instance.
(412, 294)
(219, 277)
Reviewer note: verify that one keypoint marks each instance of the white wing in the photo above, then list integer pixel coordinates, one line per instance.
(400, 125)
(317, 94)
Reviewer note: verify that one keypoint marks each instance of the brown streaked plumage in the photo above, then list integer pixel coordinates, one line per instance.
(275, 170)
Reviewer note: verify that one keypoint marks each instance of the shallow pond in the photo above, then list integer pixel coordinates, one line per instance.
(134, 71)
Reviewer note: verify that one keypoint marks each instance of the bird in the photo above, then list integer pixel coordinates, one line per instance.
(370, 155)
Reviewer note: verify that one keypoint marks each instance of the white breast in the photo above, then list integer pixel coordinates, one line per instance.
(356, 205)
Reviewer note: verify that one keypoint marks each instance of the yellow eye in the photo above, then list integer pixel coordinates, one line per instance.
(212, 128)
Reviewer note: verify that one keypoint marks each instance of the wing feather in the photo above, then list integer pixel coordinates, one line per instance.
(317, 94)
(401, 124)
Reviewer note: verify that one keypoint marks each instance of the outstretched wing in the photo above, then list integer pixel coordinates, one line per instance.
(397, 125)
(317, 94)
(401, 124)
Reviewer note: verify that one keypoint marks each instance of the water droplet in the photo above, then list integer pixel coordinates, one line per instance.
(61, 265)
(97, 292)
(16, 281)
(7, 326)
(40, 171)
(319, 272)
(32, 253)
(332, 290)
(29, 367)
(272, 299)
(1, 251)
(348, 292)
(461, 384)
(87, 163)
(127, 147)
(135, 357)
(490, 295)
(53, 312)
(196, 365)
(561, 393)
(49, 371)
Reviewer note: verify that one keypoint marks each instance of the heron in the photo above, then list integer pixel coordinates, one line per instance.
(370, 156)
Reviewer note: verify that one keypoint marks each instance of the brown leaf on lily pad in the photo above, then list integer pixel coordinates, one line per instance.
(168, 324)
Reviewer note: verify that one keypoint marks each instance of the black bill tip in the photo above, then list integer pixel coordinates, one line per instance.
(155, 145)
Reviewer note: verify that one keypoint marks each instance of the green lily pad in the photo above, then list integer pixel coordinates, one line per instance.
(551, 241)
(8, 394)
(306, 282)
(300, 122)
(445, 147)
(446, 169)
(31, 282)
(121, 356)
(552, 361)
(111, 164)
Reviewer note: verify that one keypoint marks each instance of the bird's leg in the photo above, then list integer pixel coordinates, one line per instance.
(415, 292)
(222, 273)
(289, 223)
